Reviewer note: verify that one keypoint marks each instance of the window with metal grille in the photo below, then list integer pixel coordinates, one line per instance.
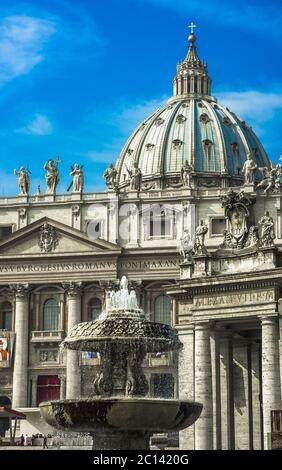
(162, 309)
(51, 315)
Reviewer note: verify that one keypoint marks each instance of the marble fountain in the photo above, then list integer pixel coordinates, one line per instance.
(120, 414)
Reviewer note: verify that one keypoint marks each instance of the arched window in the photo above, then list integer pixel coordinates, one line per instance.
(51, 315)
(94, 308)
(162, 310)
(6, 316)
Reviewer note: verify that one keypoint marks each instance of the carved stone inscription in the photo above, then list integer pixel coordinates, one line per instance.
(133, 265)
(242, 298)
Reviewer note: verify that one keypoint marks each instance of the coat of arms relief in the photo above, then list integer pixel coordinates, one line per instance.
(48, 238)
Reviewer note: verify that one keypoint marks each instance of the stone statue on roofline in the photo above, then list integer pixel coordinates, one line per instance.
(269, 180)
(186, 245)
(52, 176)
(110, 176)
(249, 169)
(77, 178)
(199, 245)
(23, 180)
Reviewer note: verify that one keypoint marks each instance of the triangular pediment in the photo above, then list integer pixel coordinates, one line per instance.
(48, 237)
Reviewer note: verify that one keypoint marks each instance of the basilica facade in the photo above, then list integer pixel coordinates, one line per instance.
(192, 215)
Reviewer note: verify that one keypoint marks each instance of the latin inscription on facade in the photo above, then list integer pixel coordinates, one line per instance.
(56, 267)
(126, 266)
(249, 297)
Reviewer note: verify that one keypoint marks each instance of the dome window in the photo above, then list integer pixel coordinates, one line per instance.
(236, 148)
(207, 145)
(159, 122)
(226, 121)
(204, 118)
(149, 147)
(215, 106)
(130, 151)
(180, 119)
(185, 105)
(177, 144)
(143, 125)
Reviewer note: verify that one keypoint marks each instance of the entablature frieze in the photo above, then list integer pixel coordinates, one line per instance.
(214, 289)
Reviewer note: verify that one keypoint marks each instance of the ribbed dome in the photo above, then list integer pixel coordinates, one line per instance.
(191, 126)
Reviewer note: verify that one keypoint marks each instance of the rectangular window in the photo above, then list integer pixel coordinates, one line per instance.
(7, 321)
(218, 225)
(5, 231)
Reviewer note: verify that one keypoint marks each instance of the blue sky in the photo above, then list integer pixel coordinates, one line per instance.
(77, 77)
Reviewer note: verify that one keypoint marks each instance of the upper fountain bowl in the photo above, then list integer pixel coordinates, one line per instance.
(125, 329)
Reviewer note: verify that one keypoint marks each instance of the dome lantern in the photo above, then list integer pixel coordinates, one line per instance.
(192, 76)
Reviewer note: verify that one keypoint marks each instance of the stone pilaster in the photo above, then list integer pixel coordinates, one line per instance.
(73, 373)
(186, 379)
(20, 373)
(203, 386)
(227, 392)
(271, 384)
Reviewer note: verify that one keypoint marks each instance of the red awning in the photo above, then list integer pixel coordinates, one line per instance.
(8, 412)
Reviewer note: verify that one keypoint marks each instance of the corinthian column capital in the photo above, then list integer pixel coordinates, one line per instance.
(73, 289)
(20, 291)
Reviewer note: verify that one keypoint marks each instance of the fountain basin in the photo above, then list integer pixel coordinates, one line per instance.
(120, 415)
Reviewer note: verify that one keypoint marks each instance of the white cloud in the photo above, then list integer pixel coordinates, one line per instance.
(39, 126)
(255, 105)
(21, 44)
(129, 117)
(124, 121)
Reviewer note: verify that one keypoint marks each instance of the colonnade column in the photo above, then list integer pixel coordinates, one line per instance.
(73, 373)
(20, 373)
(203, 386)
(271, 383)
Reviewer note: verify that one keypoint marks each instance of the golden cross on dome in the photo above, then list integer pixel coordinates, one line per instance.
(192, 26)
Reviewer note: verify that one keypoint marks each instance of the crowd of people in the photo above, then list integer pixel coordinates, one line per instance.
(26, 440)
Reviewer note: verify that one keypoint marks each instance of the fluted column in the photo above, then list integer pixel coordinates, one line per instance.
(20, 379)
(203, 386)
(271, 384)
(73, 373)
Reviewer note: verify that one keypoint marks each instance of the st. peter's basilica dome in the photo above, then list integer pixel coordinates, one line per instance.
(192, 127)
